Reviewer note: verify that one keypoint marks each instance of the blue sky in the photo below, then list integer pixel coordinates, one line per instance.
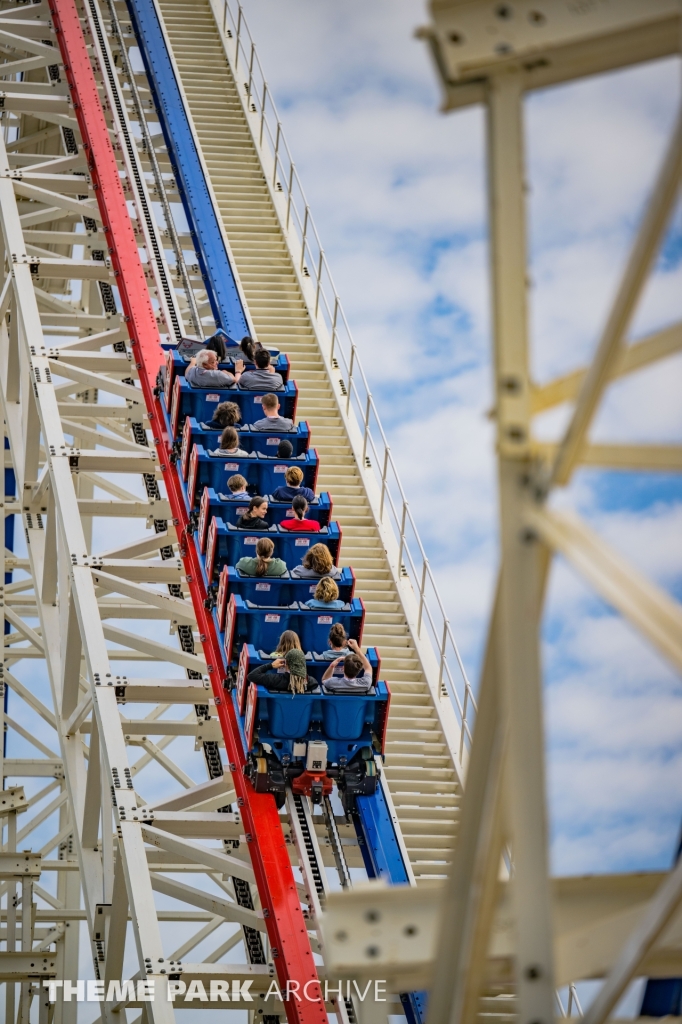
(398, 194)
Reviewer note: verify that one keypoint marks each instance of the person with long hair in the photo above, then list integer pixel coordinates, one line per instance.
(229, 444)
(263, 564)
(254, 518)
(298, 521)
(338, 643)
(327, 597)
(285, 675)
(317, 562)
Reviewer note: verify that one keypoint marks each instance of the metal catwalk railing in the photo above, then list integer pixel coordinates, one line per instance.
(341, 353)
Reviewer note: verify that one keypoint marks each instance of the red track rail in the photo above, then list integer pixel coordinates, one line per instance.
(285, 923)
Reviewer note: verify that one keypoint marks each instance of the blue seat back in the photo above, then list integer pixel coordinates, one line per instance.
(262, 626)
(261, 473)
(227, 544)
(273, 590)
(230, 511)
(201, 402)
(249, 440)
(279, 360)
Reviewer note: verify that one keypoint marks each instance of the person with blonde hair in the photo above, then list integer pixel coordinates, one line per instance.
(293, 488)
(237, 488)
(263, 564)
(326, 596)
(317, 562)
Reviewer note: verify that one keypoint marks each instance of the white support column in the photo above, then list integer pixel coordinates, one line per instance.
(522, 561)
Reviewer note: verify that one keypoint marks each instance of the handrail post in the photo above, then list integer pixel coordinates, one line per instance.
(336, 313)
(239, 29)
(262, 113)
(464, 721)
(368, 409)
(402, 539)
(350, 377)
(387, 455)
(248, 88)
(290, 191)
(224, 17)
(319, 281)
(422, 591)
(305, 233)
(279, 132)
(446, 624)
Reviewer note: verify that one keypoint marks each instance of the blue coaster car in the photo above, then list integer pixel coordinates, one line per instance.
(249, 440)
(262, 473)
(308, 741)
(273, 591)
(230, 511)
(226, 544)
(261, 627)
(201, 402)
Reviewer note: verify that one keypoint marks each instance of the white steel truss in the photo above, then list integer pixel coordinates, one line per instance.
(95, 598)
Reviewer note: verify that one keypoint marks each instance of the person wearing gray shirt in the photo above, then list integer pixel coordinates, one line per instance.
(205, 372)
(272, 419)
(263, 377)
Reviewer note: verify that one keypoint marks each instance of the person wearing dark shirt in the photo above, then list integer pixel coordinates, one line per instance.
(285, 675)
(254, 519)
(227, 414)
(292, 488)
(272, 419)
(298, 521)
(264, 376)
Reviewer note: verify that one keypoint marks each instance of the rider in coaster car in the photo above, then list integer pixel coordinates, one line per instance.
(294, 480)
(255, 519)
(327, 597)
(264, 564)
(229, 444)
(272, 419)
(298, 521)
(237, 488)
(264, 376)
(352, 674)
(205, 374)
(317, 562)
(227, 414)
(287, 674)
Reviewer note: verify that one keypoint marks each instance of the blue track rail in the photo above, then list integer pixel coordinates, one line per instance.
(207, 236)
